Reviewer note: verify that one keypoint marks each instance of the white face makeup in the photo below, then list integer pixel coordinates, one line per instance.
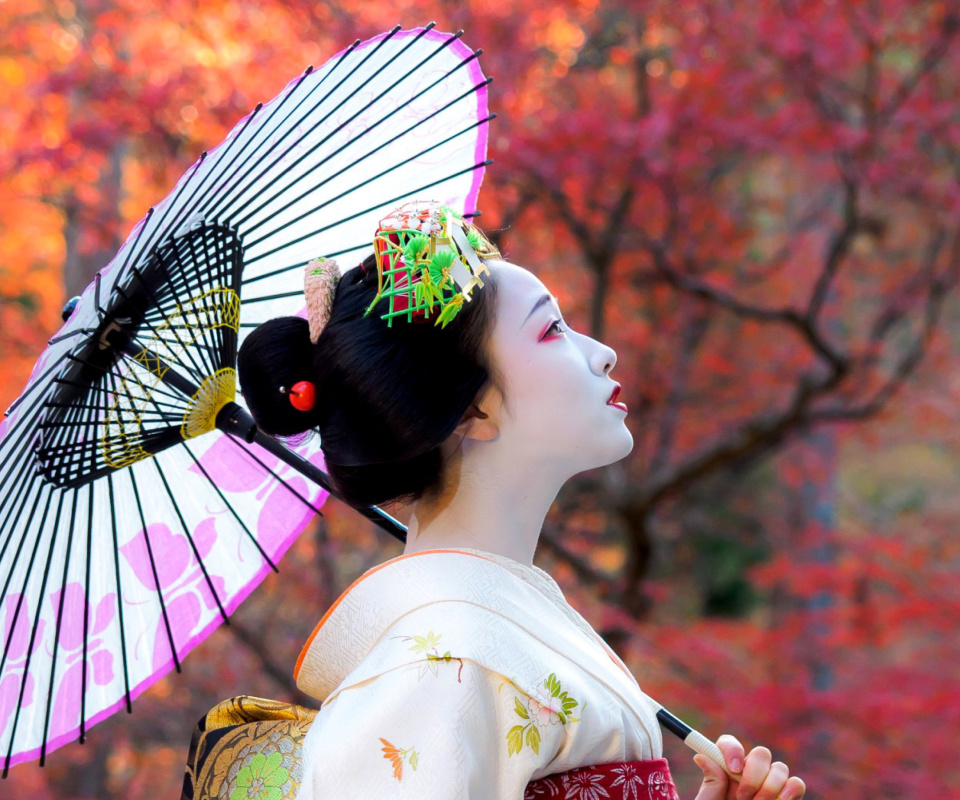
(557, 381)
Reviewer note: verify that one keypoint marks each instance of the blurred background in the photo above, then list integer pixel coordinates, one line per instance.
(757, 204)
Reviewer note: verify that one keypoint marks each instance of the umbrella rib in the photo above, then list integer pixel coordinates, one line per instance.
(193, 545)
(159, 387)
(36, 623)
(382, 145)
(43, 588)
(170, 202)
(246, 183)
(145, 223)
(286, 485)
(153, 569)
(239, 223)
(77, 332)
(40, 381)
(56, 635)
(12, 459)
(381, 204)
(210, 172)
(86, 617)
(360, 185)
(26, 578)
(116, 563)
(247, 155)
(232, 510)
(153, 298)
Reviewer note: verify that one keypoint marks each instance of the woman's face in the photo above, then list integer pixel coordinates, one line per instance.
(557, 381)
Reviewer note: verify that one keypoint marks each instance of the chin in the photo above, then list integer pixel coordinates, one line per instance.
(614, 449)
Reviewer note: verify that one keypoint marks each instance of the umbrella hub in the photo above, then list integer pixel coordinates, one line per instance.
(214, 393)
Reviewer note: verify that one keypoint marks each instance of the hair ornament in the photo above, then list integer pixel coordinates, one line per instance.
(320, 280)
(302, 395)
(428, 259)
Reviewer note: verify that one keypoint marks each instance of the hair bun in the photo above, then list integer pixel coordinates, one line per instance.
(275, 356)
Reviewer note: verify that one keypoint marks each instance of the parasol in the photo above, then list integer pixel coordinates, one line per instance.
(139, 504)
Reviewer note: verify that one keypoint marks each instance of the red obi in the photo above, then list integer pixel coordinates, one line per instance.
(626, 780)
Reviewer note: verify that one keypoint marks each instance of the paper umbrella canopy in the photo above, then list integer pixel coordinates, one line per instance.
(139, 505)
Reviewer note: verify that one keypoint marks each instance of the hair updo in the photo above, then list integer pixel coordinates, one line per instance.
(386, 397)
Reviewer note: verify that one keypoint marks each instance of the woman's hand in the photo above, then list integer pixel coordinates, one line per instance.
(759, 778)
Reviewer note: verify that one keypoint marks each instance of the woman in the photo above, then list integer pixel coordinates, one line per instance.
(458, 669)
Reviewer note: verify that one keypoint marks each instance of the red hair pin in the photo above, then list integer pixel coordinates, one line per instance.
(302, 395)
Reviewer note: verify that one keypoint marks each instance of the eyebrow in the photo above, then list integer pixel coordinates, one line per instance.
(544, 298)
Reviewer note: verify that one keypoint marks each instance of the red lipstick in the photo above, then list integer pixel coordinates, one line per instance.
(613, 399)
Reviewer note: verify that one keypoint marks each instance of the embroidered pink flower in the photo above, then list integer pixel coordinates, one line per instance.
(544, 707)
(584, 785)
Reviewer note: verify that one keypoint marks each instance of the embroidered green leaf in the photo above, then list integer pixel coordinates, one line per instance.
(414, 759)
(568, 703)
(423, 643)
(552, 685)
(533, 738)
(521, 711)
(514, 739)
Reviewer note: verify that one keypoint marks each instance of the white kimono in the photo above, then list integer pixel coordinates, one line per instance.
(462, 674)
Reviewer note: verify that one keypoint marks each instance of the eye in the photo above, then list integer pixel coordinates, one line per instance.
(555, 325)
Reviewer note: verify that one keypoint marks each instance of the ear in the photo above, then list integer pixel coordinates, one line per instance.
(478, 421)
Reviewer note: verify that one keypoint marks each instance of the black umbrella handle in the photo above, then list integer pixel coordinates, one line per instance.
(234, 420)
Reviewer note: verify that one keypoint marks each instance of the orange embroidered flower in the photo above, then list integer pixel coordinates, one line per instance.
(396, 757)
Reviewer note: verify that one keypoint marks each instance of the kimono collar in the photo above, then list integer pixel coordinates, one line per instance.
(356, 622)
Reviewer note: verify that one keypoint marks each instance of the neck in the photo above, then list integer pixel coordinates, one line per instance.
(489, 502)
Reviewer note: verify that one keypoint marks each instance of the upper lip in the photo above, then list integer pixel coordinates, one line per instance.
(614, 394)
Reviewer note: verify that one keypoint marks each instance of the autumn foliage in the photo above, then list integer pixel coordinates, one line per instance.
(756, 203)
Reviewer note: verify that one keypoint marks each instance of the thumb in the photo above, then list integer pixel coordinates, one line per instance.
(714, 786)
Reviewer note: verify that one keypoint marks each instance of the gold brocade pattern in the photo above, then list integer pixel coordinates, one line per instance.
(237, 740)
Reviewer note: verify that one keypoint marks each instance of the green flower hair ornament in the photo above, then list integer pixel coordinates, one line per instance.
(428, 261)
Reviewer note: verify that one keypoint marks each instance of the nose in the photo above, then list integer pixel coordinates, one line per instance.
(603, 358)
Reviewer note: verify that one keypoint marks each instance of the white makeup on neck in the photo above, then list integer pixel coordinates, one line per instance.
(506, 469)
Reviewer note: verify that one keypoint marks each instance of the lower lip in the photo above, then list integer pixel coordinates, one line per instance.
(621, 406)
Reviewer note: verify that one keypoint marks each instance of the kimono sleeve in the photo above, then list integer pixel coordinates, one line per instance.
(437, 728)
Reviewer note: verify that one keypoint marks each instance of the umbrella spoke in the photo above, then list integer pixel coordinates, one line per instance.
(134, 248)
(56, 635)
(54, 532)
(240, 190)
(303, 156)
(232, 510)
(251, 152)
(40, 381)
(36, 622)
(276, 477)
(26, 577)
(116, 563)
(86, 616)
(193, 544)
(370, 180)
(365, 211)
(153, 569)
(376, 150)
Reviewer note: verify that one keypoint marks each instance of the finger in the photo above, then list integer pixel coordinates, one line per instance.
(755, 768)
(714, 785)
(794, 790)
(733, 752)
(774, 783)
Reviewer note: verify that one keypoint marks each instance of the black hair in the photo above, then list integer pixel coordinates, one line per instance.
(386, 397)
